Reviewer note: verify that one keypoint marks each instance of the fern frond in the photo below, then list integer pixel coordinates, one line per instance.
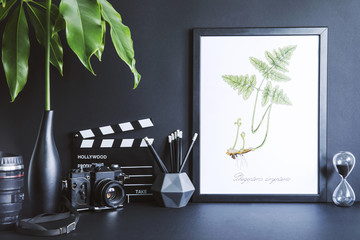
(279, 97)
(278, 62)
(263, 67)
(273, 60)
(278, 76)
(245, 85)
(275, 95)
(286, 52)
(266, 95)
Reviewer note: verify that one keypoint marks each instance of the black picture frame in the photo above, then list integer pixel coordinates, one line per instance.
(320, 195)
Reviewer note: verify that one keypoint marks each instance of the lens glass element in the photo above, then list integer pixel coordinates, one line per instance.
(110, 193)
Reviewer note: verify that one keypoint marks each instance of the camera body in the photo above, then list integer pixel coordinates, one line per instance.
(96, 188)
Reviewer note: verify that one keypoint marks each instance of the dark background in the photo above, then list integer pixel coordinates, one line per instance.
(162, 35)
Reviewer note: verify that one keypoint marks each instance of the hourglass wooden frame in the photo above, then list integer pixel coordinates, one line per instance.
(205, 175)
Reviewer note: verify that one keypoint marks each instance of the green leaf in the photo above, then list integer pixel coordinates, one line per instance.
(16, 51)
(99, 52)
(243, 84)
(54, 11)
(83, 28)
(38, 21)
(121, 37)
(5, 8)
(59, 24)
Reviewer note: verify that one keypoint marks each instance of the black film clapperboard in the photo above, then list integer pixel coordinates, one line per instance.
(94, 146)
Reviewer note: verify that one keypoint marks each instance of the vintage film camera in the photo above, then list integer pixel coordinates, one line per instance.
(96, 188)
(121, 144)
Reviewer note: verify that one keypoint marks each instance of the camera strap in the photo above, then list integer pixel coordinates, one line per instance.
(32, 226)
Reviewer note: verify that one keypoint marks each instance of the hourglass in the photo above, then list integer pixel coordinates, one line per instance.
(344, 195)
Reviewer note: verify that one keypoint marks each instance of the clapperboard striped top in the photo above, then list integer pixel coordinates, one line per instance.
(89, 138)
(113, 143)
(115, 128)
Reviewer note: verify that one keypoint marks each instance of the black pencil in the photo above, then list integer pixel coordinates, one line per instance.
(156, 156)
(188, 152)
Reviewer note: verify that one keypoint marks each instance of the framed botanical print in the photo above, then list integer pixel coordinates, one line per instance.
(259, 105)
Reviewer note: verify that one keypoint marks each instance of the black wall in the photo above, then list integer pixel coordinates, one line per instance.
(162, 34)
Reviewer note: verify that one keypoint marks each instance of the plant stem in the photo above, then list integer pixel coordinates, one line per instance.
(267, 129)
(262, 119)
(257, 95)
(47, 57)
(256, 100)
(243, 138)
(237, 135)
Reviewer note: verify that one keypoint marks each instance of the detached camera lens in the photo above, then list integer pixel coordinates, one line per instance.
(11, 189)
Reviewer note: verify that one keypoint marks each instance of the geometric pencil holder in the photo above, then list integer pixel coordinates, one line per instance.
(172, 190)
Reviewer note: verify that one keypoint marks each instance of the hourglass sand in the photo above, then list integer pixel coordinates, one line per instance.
(344, 195)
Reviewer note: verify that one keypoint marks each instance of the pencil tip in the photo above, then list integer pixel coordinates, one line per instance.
(147, 140)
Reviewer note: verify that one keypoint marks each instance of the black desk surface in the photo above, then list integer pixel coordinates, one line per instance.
(217, 221)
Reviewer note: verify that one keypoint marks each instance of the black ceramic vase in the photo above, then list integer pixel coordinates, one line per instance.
(44, 177)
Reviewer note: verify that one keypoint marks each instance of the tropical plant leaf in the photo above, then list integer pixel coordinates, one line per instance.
(121, 37)
(59, 24)
(99, 52)
(38, 21)
(245, 85)
(83, 28)
(54, 11)
(5, 8)
(16, 51)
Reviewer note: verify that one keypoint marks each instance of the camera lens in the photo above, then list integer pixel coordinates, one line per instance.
(110, 193)
(11, 189)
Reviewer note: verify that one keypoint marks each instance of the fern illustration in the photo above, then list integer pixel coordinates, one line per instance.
(273, 70)
(245, 85)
